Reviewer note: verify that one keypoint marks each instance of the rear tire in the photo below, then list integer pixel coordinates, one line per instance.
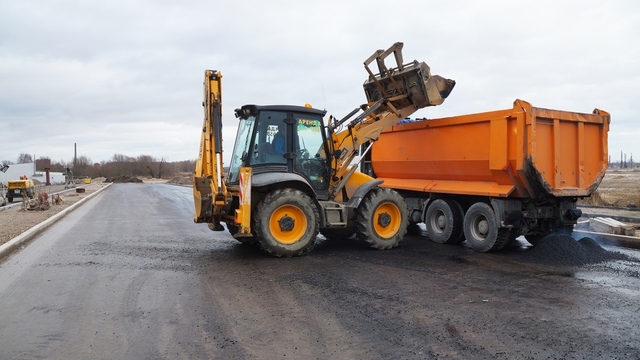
(444, 220)
(480, 228)
(382, 218)
(286, 223)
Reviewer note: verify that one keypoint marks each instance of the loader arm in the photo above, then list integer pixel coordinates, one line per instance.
(392, 95)
(209, 190)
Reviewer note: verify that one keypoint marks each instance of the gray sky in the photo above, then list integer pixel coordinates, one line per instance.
(126, 77)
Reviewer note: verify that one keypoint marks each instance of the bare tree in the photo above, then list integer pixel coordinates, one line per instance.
(83, 167)
(25, 158)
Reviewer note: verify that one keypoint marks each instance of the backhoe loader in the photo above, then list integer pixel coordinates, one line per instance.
(292, 175)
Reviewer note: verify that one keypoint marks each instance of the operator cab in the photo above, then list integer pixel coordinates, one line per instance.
(278, 139)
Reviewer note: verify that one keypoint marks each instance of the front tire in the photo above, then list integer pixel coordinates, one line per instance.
(382, 218)
(286, 223)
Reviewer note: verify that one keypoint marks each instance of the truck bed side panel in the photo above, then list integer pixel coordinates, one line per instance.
(518, 152)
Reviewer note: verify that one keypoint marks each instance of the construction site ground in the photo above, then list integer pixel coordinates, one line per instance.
(15, 220)
(619, 189)
(128, 275)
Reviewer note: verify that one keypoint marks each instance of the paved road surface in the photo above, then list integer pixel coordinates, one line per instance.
(129, 276)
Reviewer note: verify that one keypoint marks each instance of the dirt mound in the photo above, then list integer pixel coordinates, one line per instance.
(122, 179)
(181, 180)
(565, 250)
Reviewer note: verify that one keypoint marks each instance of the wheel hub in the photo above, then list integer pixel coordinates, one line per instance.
(441, 222)
(483, 227)
(286, 223)
(384, 219)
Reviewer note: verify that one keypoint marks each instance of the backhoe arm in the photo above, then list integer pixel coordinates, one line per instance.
(392, 94)
(209, 191)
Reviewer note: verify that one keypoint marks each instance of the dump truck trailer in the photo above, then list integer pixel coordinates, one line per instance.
(493, 176)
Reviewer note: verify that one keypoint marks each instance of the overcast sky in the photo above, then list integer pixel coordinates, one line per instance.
(125, 77)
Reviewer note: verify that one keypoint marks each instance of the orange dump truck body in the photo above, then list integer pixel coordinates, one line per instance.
(522, 152)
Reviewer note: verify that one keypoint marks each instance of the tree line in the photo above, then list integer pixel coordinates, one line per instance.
(118, 165)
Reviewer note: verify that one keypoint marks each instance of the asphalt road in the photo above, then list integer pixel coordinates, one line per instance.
(130, 276)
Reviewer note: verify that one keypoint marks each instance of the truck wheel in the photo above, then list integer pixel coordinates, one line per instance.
(480, 228)
(286, 223)
(444, 221)
(382, 219)
(10, 199)
(506, 237)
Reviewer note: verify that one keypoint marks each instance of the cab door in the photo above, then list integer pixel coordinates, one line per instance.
(310, 151)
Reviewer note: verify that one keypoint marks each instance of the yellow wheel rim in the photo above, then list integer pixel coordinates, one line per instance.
(288, 224)
(386, 220)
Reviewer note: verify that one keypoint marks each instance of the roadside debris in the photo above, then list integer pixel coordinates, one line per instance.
(611, 226)
(123, 179)
(56, 200)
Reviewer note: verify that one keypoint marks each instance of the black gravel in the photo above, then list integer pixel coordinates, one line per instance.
(565, 250)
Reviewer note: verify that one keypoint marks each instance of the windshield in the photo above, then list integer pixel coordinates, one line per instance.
(241, 148)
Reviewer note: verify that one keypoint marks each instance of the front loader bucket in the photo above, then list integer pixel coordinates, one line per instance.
(405, 84)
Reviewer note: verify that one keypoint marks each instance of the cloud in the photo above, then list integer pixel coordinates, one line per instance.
(126, 76)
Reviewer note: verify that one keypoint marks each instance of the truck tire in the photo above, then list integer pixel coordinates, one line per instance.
(480, 228)
(382, 218)
(444, 220)
(286, 223)
(506, 238)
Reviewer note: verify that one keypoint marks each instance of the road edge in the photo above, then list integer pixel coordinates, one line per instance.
(7, 248)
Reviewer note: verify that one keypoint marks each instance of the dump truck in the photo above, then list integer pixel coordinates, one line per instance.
(493, 176)
(20, 188)
(293, 175)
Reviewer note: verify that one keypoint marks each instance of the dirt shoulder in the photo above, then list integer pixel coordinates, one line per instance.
(15, 220)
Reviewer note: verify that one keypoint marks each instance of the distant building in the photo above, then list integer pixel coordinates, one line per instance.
(16, 171)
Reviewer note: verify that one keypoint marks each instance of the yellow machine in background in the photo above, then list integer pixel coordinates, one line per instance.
(23, 188)
(292, 175)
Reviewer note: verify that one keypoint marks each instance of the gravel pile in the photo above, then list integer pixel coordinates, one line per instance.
(565, 250)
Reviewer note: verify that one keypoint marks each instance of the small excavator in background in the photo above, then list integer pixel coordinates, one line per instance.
(292, 175)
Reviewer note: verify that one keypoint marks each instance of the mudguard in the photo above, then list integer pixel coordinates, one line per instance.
(360, 193)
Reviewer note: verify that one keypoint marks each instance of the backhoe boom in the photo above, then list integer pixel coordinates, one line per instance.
(209, 190)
